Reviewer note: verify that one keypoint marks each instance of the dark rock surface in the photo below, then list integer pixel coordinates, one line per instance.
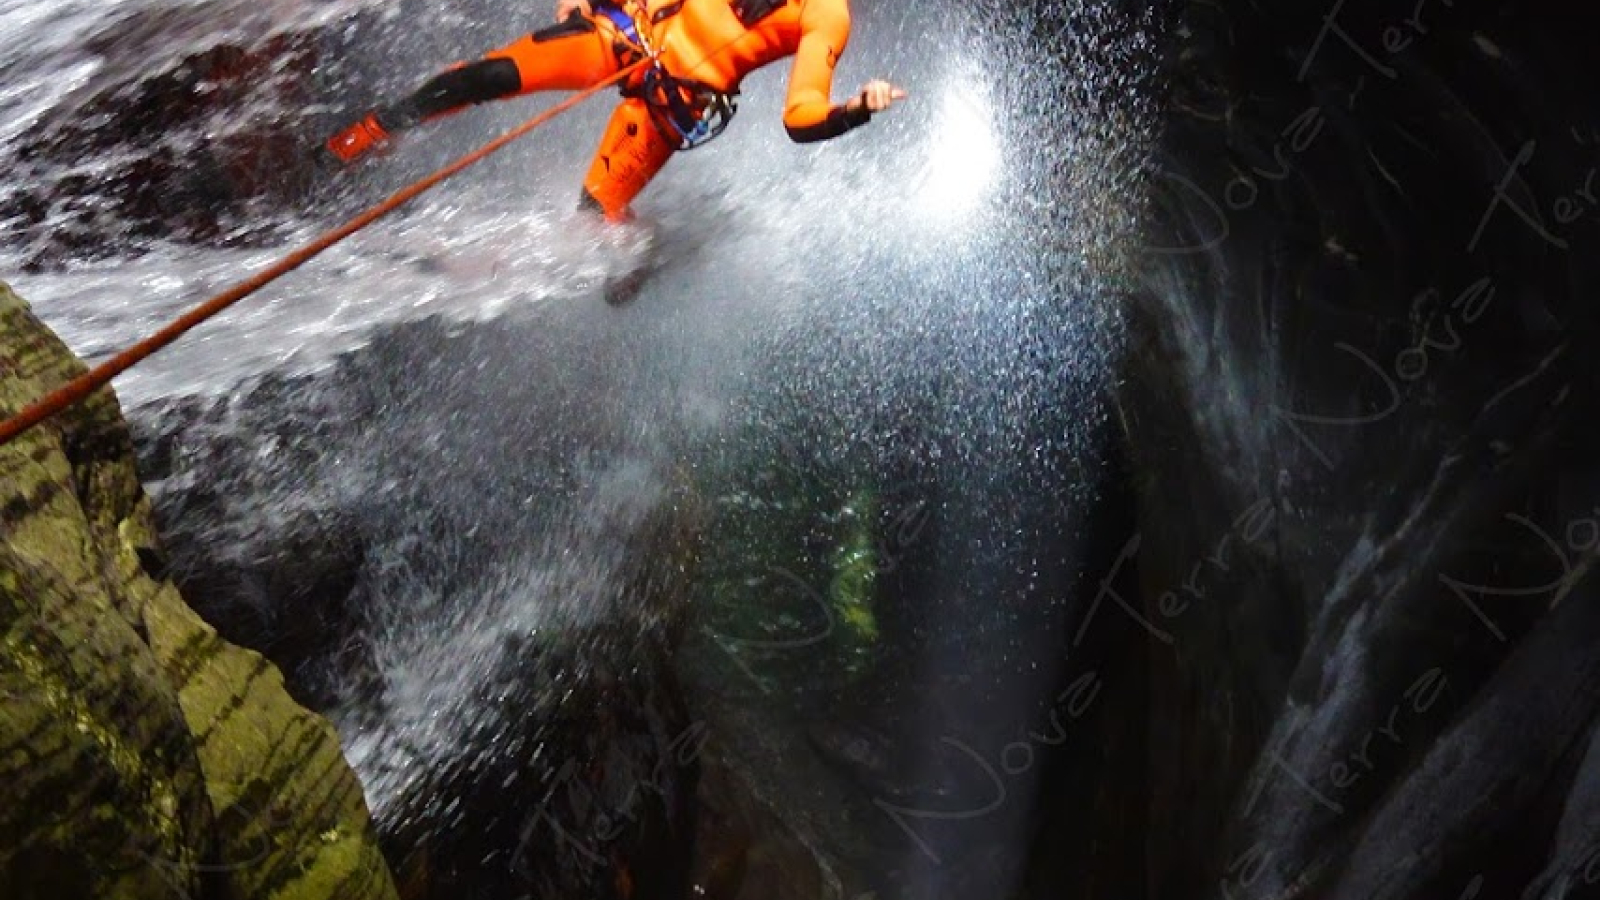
(331, 522)
(210, 148)
(1361, 414)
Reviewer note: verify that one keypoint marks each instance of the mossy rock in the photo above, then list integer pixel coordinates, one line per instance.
(143, 755)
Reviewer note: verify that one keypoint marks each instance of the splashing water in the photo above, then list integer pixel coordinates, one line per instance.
(934, 274)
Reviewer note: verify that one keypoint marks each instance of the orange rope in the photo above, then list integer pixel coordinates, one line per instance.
(85, 384)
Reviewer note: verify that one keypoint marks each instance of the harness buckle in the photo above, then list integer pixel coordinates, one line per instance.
(689, 113)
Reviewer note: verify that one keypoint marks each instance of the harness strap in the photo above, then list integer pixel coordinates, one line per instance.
(687, 112)
(623, 20)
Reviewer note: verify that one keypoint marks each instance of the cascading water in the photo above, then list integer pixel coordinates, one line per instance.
(428, 472)
(928, 525)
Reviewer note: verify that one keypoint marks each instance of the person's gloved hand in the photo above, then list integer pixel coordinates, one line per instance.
(876, 96)
(565, 8)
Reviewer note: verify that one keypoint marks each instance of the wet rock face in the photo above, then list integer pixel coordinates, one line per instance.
(202, 123)
(593, 795)
(490, 620)
(143, 754)
(191, 153)
(1360, 412)
(597, 799)
(101, 767)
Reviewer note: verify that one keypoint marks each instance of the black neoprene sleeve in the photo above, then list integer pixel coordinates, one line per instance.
(840, 119)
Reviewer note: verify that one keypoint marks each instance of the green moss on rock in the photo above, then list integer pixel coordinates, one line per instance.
(143, 755)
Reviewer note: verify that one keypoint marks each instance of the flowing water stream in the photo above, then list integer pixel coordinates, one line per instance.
(919, 317)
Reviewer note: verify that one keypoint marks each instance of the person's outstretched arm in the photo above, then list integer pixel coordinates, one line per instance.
(809, 113)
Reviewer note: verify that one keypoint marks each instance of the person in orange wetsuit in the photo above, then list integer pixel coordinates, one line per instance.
(703, 49)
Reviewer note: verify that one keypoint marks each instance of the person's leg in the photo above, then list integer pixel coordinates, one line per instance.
(632, 151)
(570, 56)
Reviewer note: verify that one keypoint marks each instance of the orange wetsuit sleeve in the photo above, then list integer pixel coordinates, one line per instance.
(809, 113)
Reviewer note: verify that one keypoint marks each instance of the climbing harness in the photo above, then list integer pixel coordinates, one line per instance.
(101, 375)
(688, 113)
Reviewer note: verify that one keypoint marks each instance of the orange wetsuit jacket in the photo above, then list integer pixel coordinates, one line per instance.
(704, 40)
